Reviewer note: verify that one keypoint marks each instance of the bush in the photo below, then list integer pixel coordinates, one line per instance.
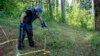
(80, 18)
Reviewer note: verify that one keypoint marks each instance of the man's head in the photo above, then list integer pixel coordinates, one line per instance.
(39, 9)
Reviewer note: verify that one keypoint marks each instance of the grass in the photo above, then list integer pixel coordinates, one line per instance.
(69, 41)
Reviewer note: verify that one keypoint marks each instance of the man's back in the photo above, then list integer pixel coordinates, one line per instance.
(30, 16)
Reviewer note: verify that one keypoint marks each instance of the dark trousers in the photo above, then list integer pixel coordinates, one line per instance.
(26, 29)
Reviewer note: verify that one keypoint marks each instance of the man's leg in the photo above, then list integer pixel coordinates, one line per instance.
(21, 38)
(30, 35)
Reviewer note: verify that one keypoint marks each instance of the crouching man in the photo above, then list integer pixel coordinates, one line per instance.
(27, 18)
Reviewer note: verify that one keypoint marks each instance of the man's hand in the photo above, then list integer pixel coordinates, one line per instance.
(43, 24)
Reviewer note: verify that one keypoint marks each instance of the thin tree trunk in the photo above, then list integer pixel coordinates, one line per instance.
(47, 5)
(36, 2)
(97, 14)
(92, 7)
(56, 8)
(63, 11)
(50, 9)
(29, 4)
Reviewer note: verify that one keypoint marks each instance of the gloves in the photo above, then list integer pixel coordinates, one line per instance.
(43, 24)
(22, 25)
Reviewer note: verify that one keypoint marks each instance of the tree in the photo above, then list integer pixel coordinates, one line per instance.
(56, 8)
(63, 11)
(97, 14)
(8, 5)
(50, 9)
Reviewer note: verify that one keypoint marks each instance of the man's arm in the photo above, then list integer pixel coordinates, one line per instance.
(42, 22)
(22, 17)
(40, 18)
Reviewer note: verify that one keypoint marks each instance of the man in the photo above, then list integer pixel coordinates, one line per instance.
(27, 18)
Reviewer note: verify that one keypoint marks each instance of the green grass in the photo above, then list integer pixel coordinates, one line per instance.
(69, 41)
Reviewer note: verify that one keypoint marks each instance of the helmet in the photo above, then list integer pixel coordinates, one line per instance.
(39, 9)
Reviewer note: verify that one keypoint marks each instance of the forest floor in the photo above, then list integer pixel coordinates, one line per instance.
(69, 41)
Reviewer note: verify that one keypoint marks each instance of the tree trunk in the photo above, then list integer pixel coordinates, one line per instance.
(47, 5)
(36, 2)
(56, 8)
(63, 11)
(50, 9)
(97, 14)
(29, 3)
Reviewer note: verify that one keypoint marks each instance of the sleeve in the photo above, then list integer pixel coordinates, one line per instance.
(38, 16)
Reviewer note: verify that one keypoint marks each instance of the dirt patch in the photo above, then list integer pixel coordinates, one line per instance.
(6, 48)
(2, 36)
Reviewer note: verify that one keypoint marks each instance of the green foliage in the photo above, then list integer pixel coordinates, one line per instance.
(46, 16)
(67, 38)
(80, 18)
(74, 15)
(8, 6)
(95, 40)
